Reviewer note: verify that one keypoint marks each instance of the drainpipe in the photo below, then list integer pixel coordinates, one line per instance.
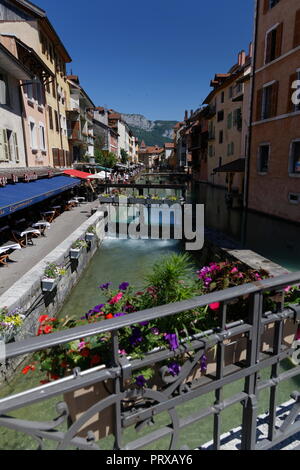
(251, 98)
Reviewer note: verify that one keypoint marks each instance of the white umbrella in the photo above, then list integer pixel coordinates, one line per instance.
(99, 176)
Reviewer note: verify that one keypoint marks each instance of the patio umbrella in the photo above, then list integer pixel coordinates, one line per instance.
(99, 176)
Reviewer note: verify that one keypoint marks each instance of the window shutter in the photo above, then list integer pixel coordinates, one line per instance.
(3, 92)
(268, 47)
(274, 99)
(297, 29)
(6, 145)
(279, 34)
(291, 91)
(259, 105)
(266, 6)
(16, 147)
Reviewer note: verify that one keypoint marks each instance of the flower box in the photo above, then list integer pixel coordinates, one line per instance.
(90, 237)
(48, 285)
(106, 200)
(75, 253)
(102, 424)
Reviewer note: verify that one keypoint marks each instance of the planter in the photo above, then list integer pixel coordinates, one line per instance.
(75, 253)
(170, 203)
(90, 237)
(8, 334)
(138, 201)
(106, 200)
(235, 352)
(48, 285)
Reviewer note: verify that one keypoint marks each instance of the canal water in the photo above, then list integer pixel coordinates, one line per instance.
(128, 261)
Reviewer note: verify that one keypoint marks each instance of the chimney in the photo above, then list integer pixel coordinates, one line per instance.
(251, 49)
(186, 116)
(243, 57)
(192, 112)
(239, 59)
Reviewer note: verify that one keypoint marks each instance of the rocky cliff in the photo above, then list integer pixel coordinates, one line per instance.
(152, 132)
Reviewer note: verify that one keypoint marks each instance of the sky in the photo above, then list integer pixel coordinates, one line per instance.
(155, 57)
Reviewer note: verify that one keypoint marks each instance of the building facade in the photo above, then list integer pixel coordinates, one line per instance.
(274, 164)
(228, 116)
(80, 117)
(30, 24)
(12, 143)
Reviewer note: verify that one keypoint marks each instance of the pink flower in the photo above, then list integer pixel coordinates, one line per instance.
(298, 335)
(116, 299)
(215, 306)
(287, 289)
(234, 271)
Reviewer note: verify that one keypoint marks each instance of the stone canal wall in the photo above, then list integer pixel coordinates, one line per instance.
(27, 291)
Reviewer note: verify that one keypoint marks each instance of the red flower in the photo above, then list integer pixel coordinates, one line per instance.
(54, 377)
(215, 306)
(95, 360)
(40, 332)
(64, 364)
(43, 318)
(85, 352)
(109, 316)
(27, 369)
(47, 329)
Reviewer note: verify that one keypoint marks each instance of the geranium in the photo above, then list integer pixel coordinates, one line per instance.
(116, 299)
(214, 306)
(27, 369)
(43, 318)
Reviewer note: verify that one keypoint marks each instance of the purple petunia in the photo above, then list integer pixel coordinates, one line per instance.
(121, 314)
(203, 363)
(124, 286)
(173, 341)
(144, 323)
(136, 337)
(155, 331)
(105, 286)
(174, 369)
(98, 308)
(140, 381)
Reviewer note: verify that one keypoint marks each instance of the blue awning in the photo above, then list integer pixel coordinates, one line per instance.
(16, 197)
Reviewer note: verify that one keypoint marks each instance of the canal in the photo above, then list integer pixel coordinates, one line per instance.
(120, 261)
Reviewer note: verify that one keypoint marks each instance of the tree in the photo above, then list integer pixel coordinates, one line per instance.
(124, 157)
(103, 157)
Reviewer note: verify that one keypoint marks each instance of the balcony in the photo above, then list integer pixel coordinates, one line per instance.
(136, 406)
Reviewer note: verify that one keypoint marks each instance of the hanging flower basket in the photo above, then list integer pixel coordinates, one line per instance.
(75, 253)
(48, 284)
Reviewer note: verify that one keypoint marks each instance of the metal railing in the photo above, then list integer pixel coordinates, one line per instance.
(137, 407)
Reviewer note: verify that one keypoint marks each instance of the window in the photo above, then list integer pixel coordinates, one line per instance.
(220, 116)
(50, 113)
(222, 97)
(297, 29)
(230, 92)
(54, 89)
(211, 151)
(4, 146)
(263, 158)
(33, 141)
(42, 137)
(230, 149)
(56, 121)
(273, 43)
(220, 162)
(294, 165)
(268, 4)
(237, 118)
(221, 134)
(229, 121)
(4, 90)
(294, 198)
(267, 99)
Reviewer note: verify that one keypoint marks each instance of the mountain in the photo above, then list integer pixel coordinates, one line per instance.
(152, 132)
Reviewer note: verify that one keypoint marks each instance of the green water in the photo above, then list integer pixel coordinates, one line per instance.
(118, 261)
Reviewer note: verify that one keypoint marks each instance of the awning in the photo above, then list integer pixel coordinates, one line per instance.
(109, 170)
(237, 166)
(16, 197)
(78, 174)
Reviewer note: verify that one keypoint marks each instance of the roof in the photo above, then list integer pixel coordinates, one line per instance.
(12, 65)
(42, 16)
(237, 166)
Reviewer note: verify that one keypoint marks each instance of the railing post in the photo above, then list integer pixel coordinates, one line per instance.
(117, 390)
(248, 440)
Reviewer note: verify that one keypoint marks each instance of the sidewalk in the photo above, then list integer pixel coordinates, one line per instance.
(61, 228)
